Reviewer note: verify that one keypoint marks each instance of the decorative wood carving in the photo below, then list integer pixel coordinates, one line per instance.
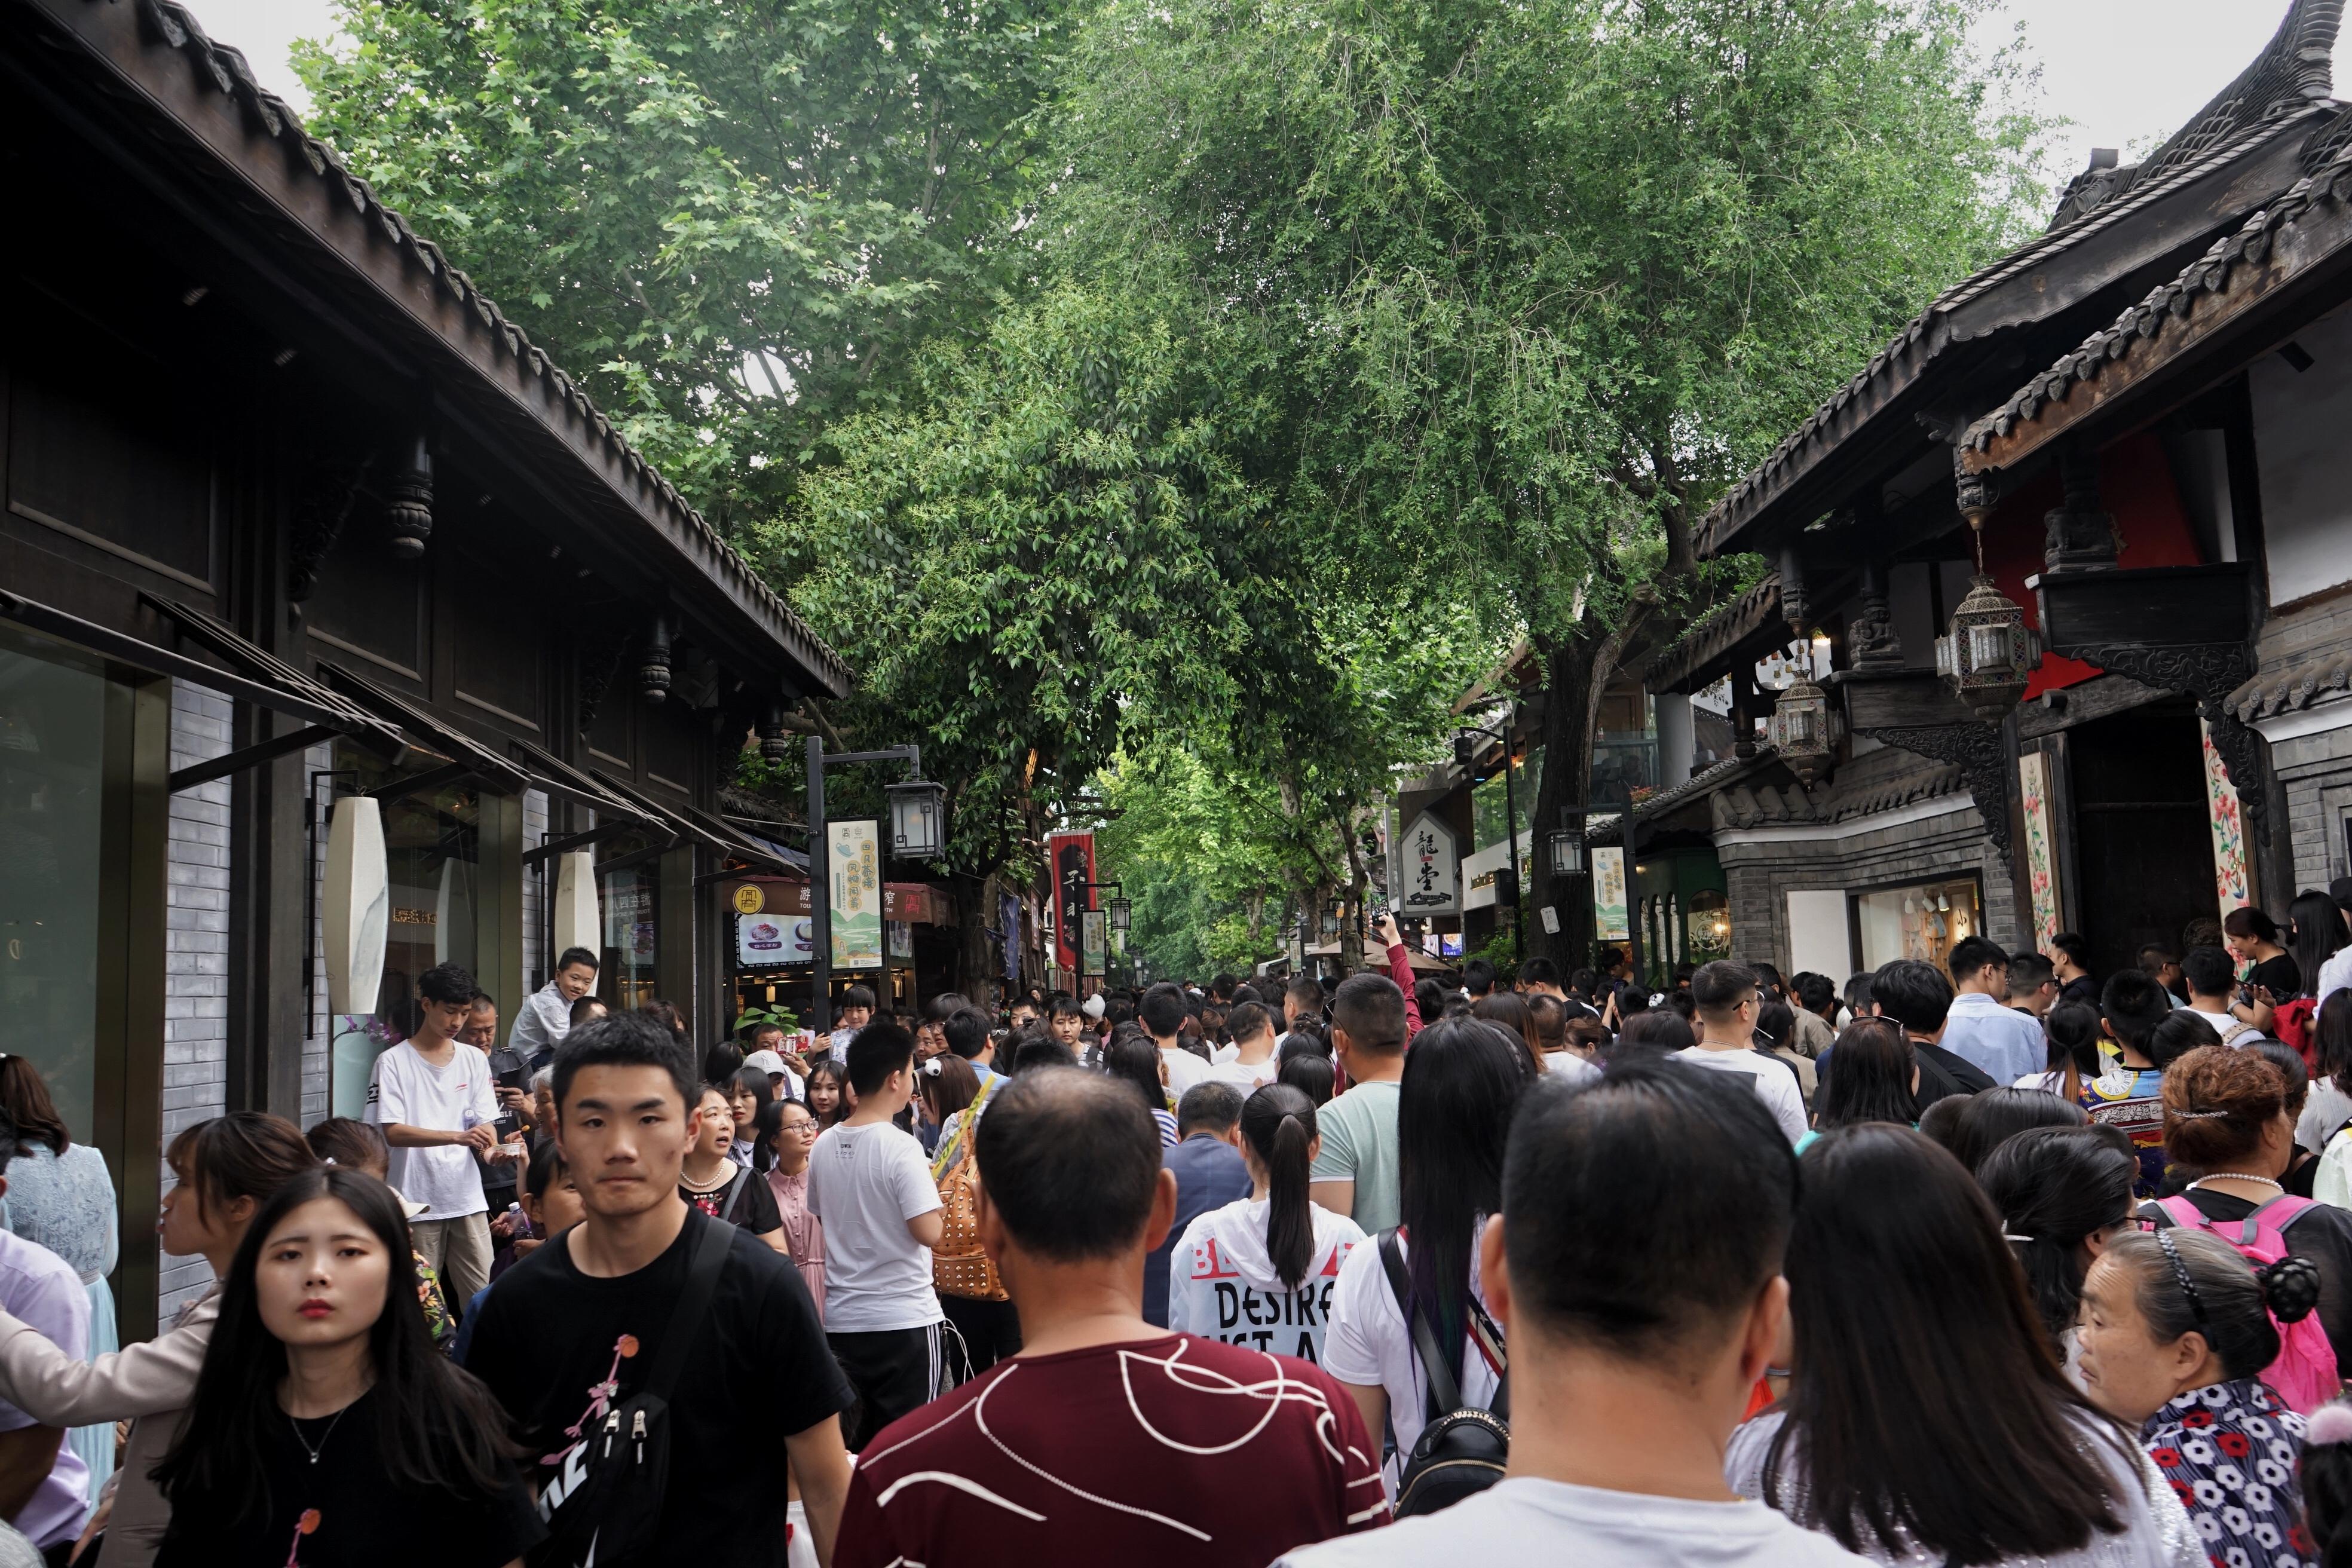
(1980, 755)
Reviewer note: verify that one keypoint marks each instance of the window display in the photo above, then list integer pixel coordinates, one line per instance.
(1921, 921)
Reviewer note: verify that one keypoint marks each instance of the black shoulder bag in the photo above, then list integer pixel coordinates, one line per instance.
(1462, 1449)
(611, 1513)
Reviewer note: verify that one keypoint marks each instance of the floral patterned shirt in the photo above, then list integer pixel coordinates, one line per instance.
(2230, 1451)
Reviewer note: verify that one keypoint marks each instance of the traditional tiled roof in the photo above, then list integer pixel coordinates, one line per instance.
(1714, 634)
(227, 71)
(2170, 305)
(1792, 805)
(2233, 125)
(2285, 691)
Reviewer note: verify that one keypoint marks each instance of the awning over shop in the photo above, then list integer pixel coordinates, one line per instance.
(559, 779)
(466, 758)
(916, 903)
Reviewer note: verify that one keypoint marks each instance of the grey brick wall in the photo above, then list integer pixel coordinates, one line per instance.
(196, 957)
(2317, 772)
(1759, 875)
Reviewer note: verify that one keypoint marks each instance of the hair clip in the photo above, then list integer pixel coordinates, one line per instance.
(2196, 1115)
(328, 1161)
(2010, 1236)
(2187, 1285)
(2331, 1423)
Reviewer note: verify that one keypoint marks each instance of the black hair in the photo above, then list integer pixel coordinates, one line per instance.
(1462, 1082)
(1213, 1106)
(876, 1051)
(242, 1154)
(9, 1141)
(2133, 1004)
(1994, 1116)
(345, 1141)
(2318, 934)
(2325, 1472)
(2235, 1302)
(1065, 1007)
(1428, 999)
(1040, 1052)
(572, 955)
(2054, 1188)
(2029, 973)
(25, 1098)
(1720, 988)
(1815, 992)
(1371, 1008)
(1857, 994)
(1644, 1211)
(1311, 1074)
(857, 997)
(2176, 1033)
(1913, 992)
(1507, 1011)
(1768, 977)
(966, 1030)
(825, 1068)
(2071, 1047)
(2291, 1072)
(546, 1169)
(1477, 977)
(1279, 1123)
(1971, 953)
(1072, 1161)
(721, 1062)
(1305, 990)
(1134, 1059)
(947, 1084)
(1940, 1123)
(1164, 1011)
(438, 1430)
(583, 1008)
(1869, 1078)
(944, 1006)
(1774, 1020)
(1248, 1021)
(1539, 970)
(2331, 1035)
(622, 1040)
(1912, 1318)
(752, 1082)
(1659, 1029)
(445, 984)
(2077, 951)
(2209, 971)
(1222, 987)
(2247, 920)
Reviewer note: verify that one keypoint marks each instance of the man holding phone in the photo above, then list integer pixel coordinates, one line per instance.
(509, 1075)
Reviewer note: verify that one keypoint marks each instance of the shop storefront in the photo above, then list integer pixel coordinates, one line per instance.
(772, 938)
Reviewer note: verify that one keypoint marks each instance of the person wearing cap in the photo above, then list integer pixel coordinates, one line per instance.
(2335, 974)
(788, 1083)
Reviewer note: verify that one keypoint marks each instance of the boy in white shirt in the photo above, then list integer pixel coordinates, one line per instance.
(437, 1102)
(1728, 1003)
(1251, 1066)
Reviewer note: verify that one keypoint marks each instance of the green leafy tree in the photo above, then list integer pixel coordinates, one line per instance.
(734, 219)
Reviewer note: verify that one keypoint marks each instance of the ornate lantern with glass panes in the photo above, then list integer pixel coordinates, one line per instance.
(1804, 729)
(919, 812)
(1990, 653)
(1567, 850)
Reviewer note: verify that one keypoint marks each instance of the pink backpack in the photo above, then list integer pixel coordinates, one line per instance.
(2305, 1376)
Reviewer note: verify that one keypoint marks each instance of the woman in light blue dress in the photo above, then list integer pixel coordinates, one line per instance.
(62, 1196)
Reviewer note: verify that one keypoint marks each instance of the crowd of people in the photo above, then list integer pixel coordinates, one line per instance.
(1995, 1261)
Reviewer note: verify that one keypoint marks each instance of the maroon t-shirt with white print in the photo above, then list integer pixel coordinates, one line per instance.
(1178, 1452)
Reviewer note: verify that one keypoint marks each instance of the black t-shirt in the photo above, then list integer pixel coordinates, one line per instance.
(749, 1204)
(2322, 1232)
(1942, 1074)
(362, 1522)
(2282, 974)
(550, 1337)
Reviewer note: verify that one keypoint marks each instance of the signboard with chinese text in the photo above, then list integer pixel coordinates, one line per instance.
(853, 859)
(1072, 857)
(1094, 945)
(765, 940)
(1609, 913)
(1431, 860)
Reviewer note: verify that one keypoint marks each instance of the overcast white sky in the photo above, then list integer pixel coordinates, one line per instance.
(2122, 69)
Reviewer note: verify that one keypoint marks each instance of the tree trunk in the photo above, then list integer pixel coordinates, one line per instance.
(1571, 683)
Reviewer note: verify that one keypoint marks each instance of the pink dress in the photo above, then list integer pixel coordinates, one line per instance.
(803, 1233)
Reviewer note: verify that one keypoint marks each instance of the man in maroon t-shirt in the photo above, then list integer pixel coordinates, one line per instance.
(1106, 1440)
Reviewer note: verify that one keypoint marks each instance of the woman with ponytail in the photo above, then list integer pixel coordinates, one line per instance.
(1259, 1271)
(2178, 1329)
(2065, 1193)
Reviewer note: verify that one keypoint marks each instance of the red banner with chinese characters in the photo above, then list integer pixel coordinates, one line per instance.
(1072, 857)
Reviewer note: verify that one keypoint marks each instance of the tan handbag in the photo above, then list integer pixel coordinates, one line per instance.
(959, 1266)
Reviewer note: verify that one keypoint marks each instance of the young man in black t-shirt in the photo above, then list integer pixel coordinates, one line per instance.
(576, 1328)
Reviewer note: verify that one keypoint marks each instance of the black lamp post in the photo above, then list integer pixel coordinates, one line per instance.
(1506, 881)
(917, 832)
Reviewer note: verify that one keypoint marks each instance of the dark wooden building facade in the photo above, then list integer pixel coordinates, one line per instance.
(292, 513)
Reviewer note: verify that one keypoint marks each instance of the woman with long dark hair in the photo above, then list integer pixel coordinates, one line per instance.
(222, 1169)
(2072, 1033)
(2063, 1194)
(1132, 1057)
(1870, 1076)
(1310, 1073)
(325, 1424)
(1461, 1082)
(2316, 934)
(1992, 1116)
(2327, 1108)
(1280, 1250)
(1927, 1421)
(2253, 940)
(1507, 1011)
(1659, 1030)
(827, 1092)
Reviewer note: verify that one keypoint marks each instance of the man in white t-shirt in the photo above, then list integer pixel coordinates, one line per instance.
(1727, 1003)
(1635, 1274)
(438, 1103)
(2212, 979)
(1163, 1013)
(1251, 1066)
(871, 1187)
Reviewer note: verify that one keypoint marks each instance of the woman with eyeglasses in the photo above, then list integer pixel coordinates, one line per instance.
(712, 1182)
(789, 1132)
(2177, 1331)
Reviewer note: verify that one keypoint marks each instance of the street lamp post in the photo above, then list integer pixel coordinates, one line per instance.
(1506, 881)
(916, 814)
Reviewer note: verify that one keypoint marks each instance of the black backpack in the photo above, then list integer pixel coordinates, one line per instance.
(612, 1514)
(1463, 1450)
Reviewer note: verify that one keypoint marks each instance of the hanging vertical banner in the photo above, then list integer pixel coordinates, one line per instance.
(1072, 857)
(2230, 884)
(1430, 859)
(1609, 913)
(1094, 954)
(2040, 845)
(1008, 925)
(854, 856)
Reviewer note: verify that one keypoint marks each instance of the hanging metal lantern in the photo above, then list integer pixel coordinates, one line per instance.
(1567, 851)
(1122, 915)
(1990, 654)
(918, 811)
(1804, 731)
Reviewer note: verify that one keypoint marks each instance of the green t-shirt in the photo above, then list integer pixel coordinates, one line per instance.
(1359, 1144)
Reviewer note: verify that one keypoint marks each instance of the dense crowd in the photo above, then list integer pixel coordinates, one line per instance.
(1991, 1261)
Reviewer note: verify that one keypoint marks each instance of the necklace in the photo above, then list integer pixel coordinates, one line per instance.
(330, 1432)
(2236, 1176)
